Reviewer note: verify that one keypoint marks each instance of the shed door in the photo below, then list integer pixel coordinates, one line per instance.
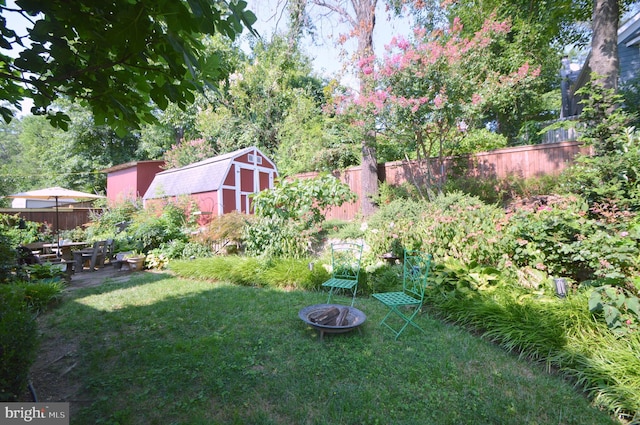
(245, 188)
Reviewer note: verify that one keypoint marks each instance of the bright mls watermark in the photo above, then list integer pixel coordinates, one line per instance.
(34, 413)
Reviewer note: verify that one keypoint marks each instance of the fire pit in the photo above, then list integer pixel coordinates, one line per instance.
(332, 318)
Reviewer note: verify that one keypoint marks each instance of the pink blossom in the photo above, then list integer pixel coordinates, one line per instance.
(457, 25)
(439, 101)
(402, 43)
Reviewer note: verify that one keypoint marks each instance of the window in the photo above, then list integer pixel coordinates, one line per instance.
(255, 158)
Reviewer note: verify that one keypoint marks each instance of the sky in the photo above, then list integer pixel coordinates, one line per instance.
(326, 54)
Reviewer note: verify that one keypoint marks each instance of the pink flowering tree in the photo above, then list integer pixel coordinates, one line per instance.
(185, 153)
(427, 92)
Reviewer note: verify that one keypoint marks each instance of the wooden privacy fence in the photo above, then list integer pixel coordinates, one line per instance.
(69, 218)
(520, 161)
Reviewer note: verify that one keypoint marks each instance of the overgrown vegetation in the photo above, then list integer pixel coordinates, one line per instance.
(25, 291)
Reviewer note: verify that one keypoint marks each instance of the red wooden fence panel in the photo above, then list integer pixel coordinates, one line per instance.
(69, 218)
(521, 161)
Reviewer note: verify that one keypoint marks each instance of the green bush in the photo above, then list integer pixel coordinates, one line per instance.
(380, 278)
(273, 237)
(104, 222)
(565, 241)
(479, 140)
(8, 259)
(288, 217)
(485, 189)
(462, 227)
(46, 271)
(18, 343)
(390, 229)
(19, 231)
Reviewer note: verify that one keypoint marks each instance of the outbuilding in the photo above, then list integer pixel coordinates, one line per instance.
(128, 182)
(218, 185)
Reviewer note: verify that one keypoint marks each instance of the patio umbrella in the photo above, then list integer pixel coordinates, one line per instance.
(55, 193)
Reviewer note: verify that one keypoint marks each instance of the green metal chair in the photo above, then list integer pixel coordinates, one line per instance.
(414, 281)
(345, 269)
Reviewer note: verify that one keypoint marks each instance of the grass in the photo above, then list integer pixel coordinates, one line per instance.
(164, 350)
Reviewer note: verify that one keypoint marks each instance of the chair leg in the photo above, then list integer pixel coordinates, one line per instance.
(353, 297)
(330, 294)
(407, 319)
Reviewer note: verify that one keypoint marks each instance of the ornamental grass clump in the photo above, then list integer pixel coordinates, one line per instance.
(252, 271)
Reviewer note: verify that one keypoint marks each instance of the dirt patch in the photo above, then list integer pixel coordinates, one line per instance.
(58, 355)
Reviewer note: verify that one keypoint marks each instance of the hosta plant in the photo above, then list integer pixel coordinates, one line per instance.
(620, 309)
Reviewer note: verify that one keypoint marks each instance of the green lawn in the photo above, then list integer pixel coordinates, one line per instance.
(163, 350)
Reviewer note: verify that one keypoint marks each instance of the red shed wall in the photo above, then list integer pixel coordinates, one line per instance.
(132, 182)
(146, 172)
(122, 185)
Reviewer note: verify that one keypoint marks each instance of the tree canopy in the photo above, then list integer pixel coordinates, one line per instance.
(121, 58)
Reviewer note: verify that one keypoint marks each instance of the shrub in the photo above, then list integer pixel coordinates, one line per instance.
(149, 231)
(620, 309)
(289, 215)
(227, 227)
(380, 277)
(7, 259)
(104, 223)
(19, 231)
(273, 237)
(462, 227)
(46, 271)
(479, 140)
(18, 344)
(565, 241)
(486, 189)
(390, 228)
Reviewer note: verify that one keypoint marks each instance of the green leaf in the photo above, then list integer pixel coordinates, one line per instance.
(633, 304)
(595, 302)
(611, 315)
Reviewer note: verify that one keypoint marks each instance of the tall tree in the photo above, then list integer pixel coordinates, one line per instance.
(42, 155)
(118, 57)
(604, 60)
(360, 17)
(260, 95)
(431, 90)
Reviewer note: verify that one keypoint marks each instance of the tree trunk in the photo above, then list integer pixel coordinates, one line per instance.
(604, 45)
(365, 21)
(362, 21)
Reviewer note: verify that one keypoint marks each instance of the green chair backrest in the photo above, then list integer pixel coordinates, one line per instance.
(345, 260)
(416, 271)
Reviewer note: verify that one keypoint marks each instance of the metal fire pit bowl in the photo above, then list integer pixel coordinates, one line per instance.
(354, 318)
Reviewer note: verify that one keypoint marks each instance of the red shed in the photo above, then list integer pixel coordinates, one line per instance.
(219, 185)
(127, 182)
